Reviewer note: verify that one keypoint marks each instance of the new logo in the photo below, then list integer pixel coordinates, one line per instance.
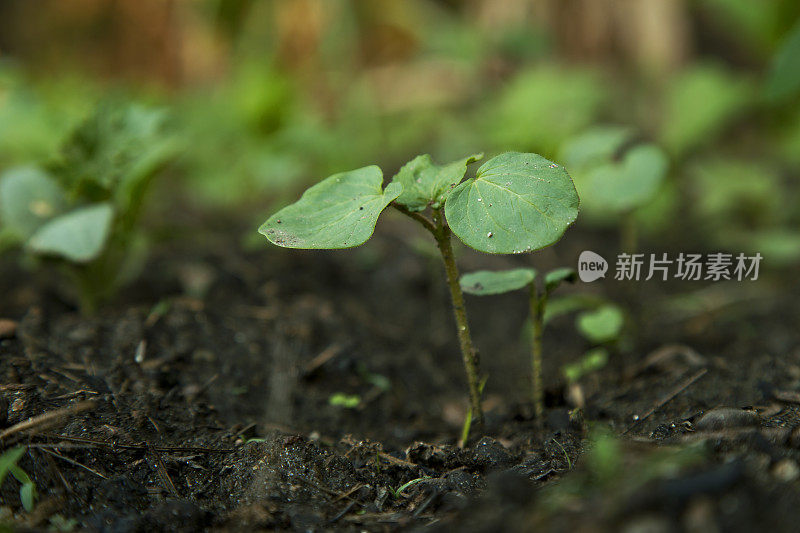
(591, 266)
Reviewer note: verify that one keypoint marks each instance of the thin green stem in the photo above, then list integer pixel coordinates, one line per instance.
(629, 239)
(441, 232)
(537, 304)
(426, 223)
(468, 353)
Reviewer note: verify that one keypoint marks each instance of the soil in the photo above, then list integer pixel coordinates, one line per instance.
(200, 399)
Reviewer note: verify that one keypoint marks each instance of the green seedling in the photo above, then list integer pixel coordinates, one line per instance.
(404, 486)
(783, 81)
(599, 321)
(699, 104)
(465, 428)
(81, 211)
(542, 107)
(601, 325)
(616, 175)
(591, 362)
(8, 465)
(516, 203)
(347, 401)
(741, 213)
(614, 470)
(484, 283)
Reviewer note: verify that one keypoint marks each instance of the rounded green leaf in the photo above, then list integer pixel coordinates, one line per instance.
(557, 276)
(540, 108)
(27, 495)
(78, 235)
(593, 147)
(516, 203)
(592, 361)
(8, 459)
(426, 183)
(699, 104)
(339, 212)
(340, 399)
(627, 184)
(486, 282)
(28, 198)
(569, 304)
(601, 325)
(784, 76)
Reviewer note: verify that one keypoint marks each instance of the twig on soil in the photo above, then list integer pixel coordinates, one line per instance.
(348, 493)
(54, 467)
(203, 388)
(786, 396)
(93, 443)
(343, 512)
(663, 354)
(668, 397)
(566, 455)
(163, 475)
(73, 462)
(395, 461)
(319, 487)
(427, 503)
(70, 395)
(47, 420)
(324, 356)
(378, 518)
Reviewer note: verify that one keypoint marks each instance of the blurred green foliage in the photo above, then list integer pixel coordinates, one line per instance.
(699, 103)
(301, 90)
(784, 77)
(83, 204)
(540, 108)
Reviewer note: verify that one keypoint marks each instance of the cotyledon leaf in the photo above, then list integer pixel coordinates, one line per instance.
(426, 183)
(594, 147)
(517, 202)
(601, 325)
(487, 282)
(78, 235)
(339, 212)
(619, 186)
(784, 77)
(557, 276)
(28, 198)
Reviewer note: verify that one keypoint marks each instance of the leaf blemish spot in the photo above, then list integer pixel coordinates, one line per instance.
(489, 234)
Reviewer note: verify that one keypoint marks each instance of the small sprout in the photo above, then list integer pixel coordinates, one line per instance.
(592, 361)
(404, 486)
(542, 197)
(8, 465)
(378, 381)
(616, 175)
(483, 283)
(83, 209)
(348, 401)
(601, 325)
